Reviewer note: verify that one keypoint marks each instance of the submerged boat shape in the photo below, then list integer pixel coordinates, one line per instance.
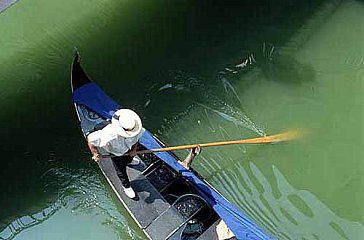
(172, 202)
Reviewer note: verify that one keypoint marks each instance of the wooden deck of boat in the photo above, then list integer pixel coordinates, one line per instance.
(149, 203)
(154, 215)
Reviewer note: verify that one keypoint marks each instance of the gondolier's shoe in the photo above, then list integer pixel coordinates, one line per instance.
(129, 192)
(135, 161)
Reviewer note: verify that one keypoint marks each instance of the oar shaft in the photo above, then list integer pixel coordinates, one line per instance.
(268, 139)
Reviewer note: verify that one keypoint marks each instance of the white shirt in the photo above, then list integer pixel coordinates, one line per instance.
(109, 142)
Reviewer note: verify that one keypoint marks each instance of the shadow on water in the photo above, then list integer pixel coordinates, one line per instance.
(286, 69)
(124, 48)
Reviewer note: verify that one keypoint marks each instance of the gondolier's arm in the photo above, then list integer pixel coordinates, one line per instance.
(95, 153)
(133, 151)
(97, 156)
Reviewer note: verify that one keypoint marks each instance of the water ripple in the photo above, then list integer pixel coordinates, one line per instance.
(295, 214)
(80, 191)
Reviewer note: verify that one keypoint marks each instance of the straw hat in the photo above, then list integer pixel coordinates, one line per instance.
(127, 123)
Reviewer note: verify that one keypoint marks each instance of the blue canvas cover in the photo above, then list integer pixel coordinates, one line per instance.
(95, 99)
(4, 4)
(91, 96)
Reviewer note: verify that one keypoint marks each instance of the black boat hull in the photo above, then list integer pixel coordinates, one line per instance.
(161, 209)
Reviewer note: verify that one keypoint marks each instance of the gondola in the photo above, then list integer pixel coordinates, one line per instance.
(172, 202)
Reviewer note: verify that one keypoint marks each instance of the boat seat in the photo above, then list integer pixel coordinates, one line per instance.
(210, 233)
(173, 222)
(166, 224)
(149, 203)
(161, 177)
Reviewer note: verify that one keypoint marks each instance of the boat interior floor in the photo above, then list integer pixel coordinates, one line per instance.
(148, 205)
(162, 196)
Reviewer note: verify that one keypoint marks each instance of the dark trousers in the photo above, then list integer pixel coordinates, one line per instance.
(120, 164)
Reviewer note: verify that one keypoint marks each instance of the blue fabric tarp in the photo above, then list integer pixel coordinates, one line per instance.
(91, 96)
(95, 99)
(4, 4)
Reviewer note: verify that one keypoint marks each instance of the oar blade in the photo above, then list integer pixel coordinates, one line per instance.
(289, 135)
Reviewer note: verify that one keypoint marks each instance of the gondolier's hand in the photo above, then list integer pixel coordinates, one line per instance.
(196, 150)
(133, 152)
(96, 157)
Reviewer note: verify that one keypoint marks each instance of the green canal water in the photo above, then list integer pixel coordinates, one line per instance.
(196, 71)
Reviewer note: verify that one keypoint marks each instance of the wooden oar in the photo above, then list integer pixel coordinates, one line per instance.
(286, 136)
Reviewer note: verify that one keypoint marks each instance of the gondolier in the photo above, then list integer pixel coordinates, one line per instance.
(120, 139)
